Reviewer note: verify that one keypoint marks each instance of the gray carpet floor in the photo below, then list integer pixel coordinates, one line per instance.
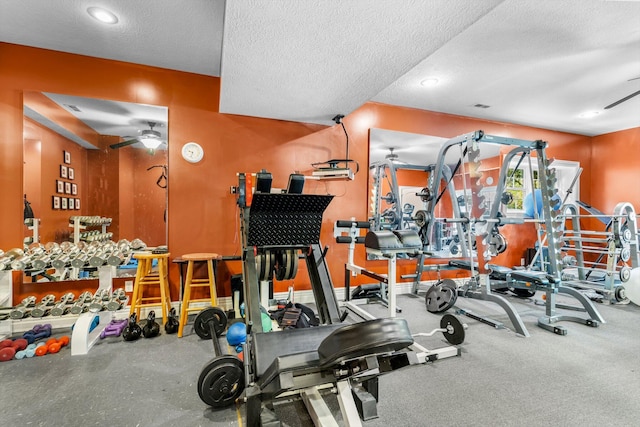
(590, 377)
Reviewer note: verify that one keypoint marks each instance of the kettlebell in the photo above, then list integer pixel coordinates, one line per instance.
(132, 331)
(172, 325)
(151, 328)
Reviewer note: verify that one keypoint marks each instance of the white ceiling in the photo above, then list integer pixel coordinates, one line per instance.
(534, 62)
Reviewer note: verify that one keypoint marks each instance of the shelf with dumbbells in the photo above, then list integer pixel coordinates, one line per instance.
(90, 228)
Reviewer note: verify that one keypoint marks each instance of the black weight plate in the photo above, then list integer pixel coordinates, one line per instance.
(221, 381)
(201, 324)
(454, 329)
(441, 296)
(281, 265)
(291, 263)
(363, 339)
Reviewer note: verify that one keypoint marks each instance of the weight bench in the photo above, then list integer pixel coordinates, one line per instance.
(348, 357)
(538, 280)
(515, 278)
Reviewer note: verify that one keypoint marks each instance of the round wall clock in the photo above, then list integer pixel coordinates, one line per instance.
(192, 152)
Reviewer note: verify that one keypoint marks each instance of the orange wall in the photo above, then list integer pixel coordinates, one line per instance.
(616, 169)
(202, 214)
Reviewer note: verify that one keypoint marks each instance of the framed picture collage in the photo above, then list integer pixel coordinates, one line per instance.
(67, 196)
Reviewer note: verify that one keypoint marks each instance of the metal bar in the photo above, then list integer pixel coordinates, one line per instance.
(347, 405)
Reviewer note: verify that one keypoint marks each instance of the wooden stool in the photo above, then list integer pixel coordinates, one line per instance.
(146, 277)
(190, 282)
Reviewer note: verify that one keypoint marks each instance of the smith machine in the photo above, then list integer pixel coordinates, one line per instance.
(481, 230)
(336, 356)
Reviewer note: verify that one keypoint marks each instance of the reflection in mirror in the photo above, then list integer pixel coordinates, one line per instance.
(87, 158)
(400, 170)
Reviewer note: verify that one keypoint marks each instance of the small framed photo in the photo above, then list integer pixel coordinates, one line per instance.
(55, 202)
(63, 203)
(59, 186)
(77, 204)
(67, 188)
(67, 157)
(74, 189)
(71, 173)
(63, 171)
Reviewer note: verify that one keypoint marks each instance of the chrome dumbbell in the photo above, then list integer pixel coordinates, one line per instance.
(100, 300)
(44, 306)
(82, 303)
(64, 305)
(118, 297)
(22, 263)
(22, 310)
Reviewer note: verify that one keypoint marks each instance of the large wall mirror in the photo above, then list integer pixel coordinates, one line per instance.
(400, 169)
(99, 158)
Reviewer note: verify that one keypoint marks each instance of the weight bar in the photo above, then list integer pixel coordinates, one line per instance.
(22, 310)
(221, 381)
(44, 306)
(451, 328)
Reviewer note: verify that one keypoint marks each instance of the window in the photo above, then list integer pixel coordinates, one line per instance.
(518, 182)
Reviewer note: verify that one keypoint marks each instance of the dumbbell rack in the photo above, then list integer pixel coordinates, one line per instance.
(82, 338)
(78, 225)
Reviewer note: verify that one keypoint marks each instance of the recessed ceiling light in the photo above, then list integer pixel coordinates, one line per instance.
(589, 114)
(102, 15)
(430, 82)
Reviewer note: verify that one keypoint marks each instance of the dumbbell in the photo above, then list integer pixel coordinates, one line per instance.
(132, 331)
(151, 328)
(80, 260)
(52, 345)
(82, 303)
(63, 306)
(22, 263)
(114, 328)
(41, 262)
(99, 301)
(37, 333)
(30, 351)
(22, 310)
(117, 299)
(8, 257)
(43, 308)
(9, 348)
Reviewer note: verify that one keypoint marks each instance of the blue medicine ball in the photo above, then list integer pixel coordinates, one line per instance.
(236, 334)
(527, 204)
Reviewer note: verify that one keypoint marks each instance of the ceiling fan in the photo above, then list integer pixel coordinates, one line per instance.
(626, 98)
(150, 138)
(393, 157)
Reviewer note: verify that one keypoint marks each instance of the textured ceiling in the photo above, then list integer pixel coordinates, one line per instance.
(534, 62)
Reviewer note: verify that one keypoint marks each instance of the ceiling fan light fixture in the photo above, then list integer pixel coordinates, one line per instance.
(430, 82)
(589, 114)
(102, 15)
(150, 142)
